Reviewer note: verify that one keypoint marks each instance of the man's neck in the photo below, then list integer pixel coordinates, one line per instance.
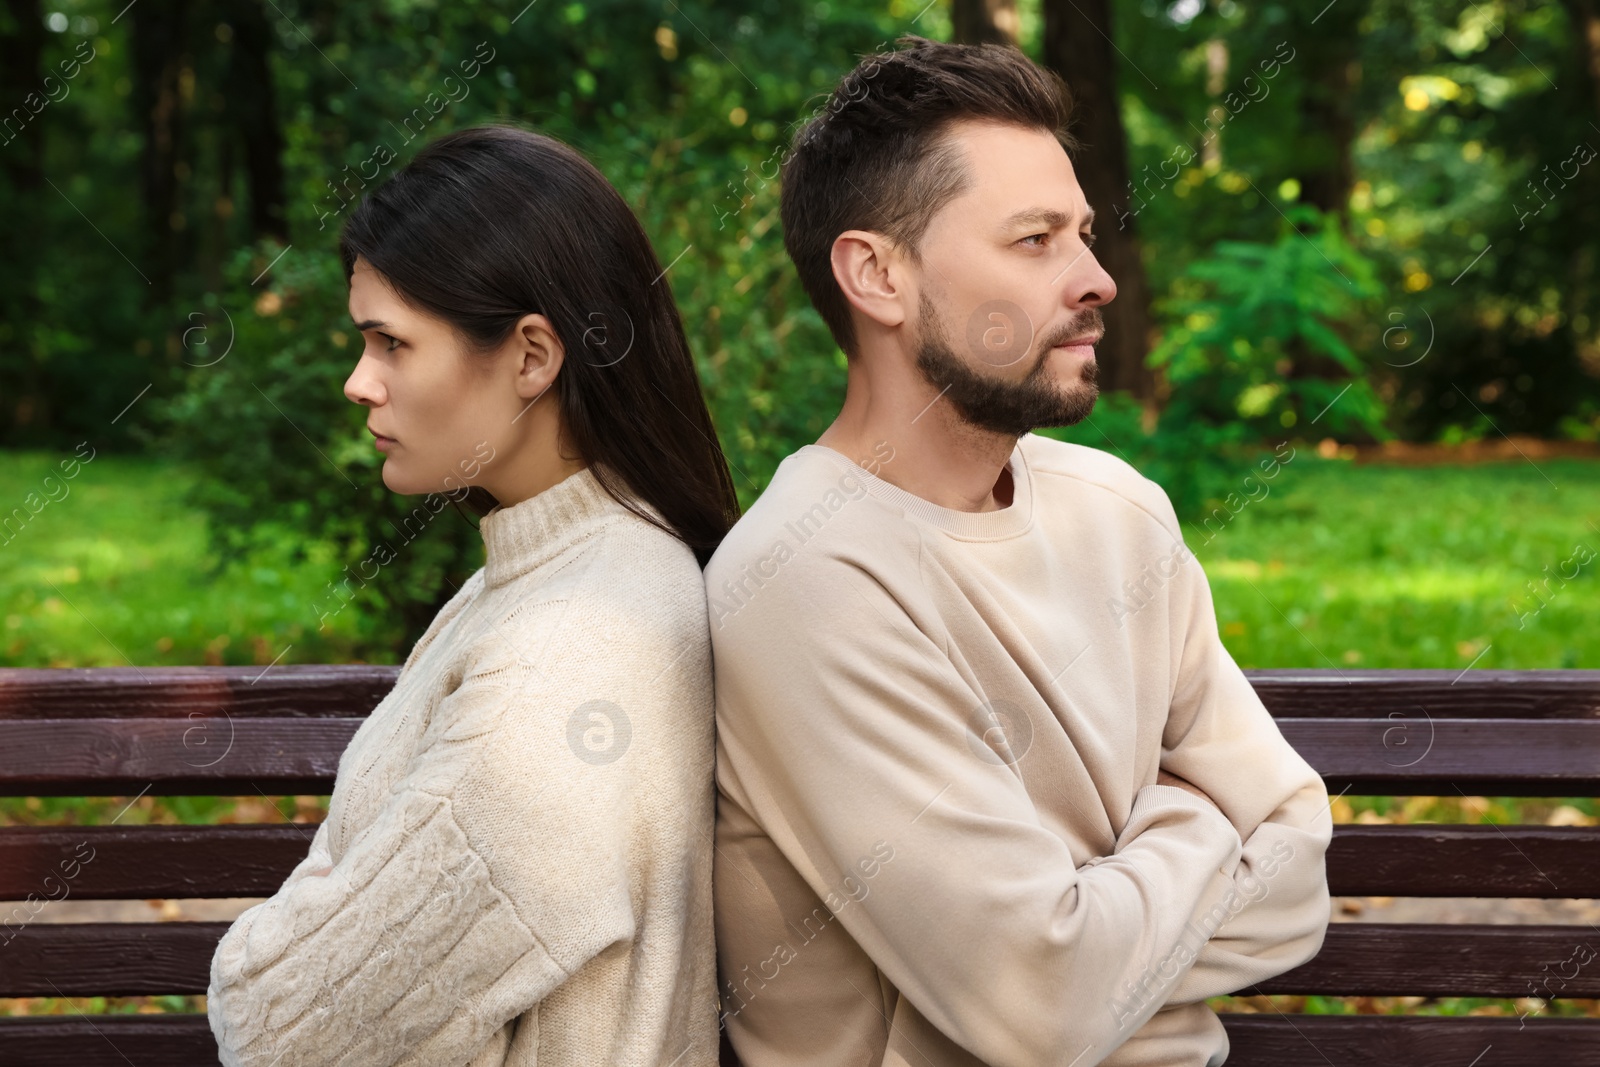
(937, 455)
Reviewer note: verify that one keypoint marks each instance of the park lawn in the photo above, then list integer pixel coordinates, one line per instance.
(1338, 566)
(1371, 566)
(117, 573)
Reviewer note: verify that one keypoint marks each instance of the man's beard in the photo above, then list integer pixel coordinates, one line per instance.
(1006, 407)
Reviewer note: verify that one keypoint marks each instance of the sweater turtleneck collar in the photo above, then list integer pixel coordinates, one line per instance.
(518, 538)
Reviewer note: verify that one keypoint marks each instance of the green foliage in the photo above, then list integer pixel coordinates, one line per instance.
(687, 109)
(1256, 321)
(1250, 314)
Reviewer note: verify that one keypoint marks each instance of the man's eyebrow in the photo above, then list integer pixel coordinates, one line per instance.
(370, 324)
(1048, 217)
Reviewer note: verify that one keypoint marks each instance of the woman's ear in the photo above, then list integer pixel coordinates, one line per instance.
(540, 355)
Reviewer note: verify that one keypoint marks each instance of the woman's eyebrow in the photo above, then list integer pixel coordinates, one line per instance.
(370, 324)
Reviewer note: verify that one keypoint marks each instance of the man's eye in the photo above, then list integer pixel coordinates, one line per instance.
(1040, 237)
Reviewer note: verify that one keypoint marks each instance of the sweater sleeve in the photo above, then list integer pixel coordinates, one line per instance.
(860, 732)
(1221, 738)
(317, 857)
(483, 882)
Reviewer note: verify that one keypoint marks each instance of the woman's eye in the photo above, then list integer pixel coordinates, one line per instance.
(394, 342)
(1088, 240)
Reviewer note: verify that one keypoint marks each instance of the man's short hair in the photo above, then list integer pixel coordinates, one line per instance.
(878, 158)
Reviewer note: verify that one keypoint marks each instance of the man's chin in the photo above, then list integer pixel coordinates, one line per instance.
(1077, 403)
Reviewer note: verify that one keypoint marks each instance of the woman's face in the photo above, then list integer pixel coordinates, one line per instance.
(447, 418)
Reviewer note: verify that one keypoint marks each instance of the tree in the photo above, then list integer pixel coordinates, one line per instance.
(985, 22)
(1078, 46)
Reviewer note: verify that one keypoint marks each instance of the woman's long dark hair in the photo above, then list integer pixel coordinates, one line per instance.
(486, 225)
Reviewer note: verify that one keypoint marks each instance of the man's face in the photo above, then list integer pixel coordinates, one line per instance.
(1006, 281)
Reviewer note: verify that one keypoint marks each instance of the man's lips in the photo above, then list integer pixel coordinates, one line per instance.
(1086, 341)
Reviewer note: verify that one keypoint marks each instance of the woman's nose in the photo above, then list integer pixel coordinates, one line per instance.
(363, 386)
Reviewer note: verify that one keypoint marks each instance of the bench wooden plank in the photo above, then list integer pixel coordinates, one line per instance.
(1449, 757)
(219, 756)
(143, 862)
(245, 860)
(107, 959)
(1417, 1041)
(206, 757)
(1448, 960)
(1465, 861)
(1296, 693)
(1357, 959)
(178, 1040)
(1256, 1041)
(295, 690)
(341, 690)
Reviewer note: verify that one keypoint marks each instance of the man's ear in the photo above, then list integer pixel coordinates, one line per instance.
(540, 355)
(868, 268)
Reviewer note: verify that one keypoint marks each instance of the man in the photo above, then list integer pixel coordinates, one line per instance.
(991, 790)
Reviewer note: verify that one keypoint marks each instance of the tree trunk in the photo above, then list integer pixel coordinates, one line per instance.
(1217, 59)
(1585, 15)
(159, 46)
(253, 113)
(22, 390)
(986, 21)
(1077, 45)
(1327, 128)
(20, 47)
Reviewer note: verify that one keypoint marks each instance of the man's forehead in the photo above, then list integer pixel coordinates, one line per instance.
(1018, 177)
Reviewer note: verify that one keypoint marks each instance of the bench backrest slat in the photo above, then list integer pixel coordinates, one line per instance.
(144, 862)
(49, 863)
(1357, 959)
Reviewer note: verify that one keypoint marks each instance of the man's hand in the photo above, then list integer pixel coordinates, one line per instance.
(329, 870)
(1163, 778)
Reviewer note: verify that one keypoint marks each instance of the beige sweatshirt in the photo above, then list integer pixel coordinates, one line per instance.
(520, 834)
(938, 838)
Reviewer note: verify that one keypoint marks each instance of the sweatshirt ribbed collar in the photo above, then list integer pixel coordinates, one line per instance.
(518, 538)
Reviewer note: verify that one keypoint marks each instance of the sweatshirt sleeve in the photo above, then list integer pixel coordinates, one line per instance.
(859, 732)
(483, 882)
(1220, 737)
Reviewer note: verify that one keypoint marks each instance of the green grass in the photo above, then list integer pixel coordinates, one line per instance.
(1343, 565)
(1339, 565)
(117, 572)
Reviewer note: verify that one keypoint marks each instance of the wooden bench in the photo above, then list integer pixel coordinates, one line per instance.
(239, 731)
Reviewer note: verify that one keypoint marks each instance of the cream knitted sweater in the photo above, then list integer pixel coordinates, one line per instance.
(520, 834)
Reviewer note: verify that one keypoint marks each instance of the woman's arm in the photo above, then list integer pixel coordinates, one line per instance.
(318, 860)
(487, 879)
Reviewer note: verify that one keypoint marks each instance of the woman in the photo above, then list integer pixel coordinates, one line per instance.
(516, 863)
